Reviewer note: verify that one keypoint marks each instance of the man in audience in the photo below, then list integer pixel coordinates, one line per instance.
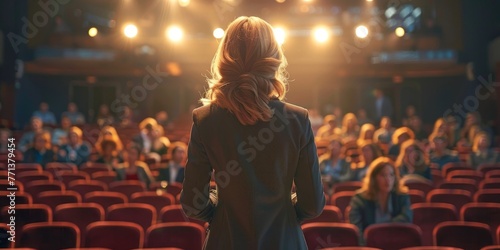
(60, 135)
(41, 151)
(174, 171)
(440, 154)
(26, 140)
(74, 115)
(144, 140)
(45, 114)
(76, 151)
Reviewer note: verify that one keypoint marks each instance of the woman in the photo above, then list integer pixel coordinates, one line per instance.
(109, 155)
(413, 160)
(400, 135)
(334, 168)
(441, 129)
(76, 151)
(41, 152)
(257, 145)
(369, 152)
(440, 154)
(108, 133)
(481, 153)
(133, 168)
(174, 169)
(329, 129)
(350, 129)
(160, 146)
(104, 117)
(366, 133)
(382, 198)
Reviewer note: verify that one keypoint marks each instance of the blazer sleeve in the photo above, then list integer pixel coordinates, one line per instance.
(195, 199)
(310, 196)
(405, 214)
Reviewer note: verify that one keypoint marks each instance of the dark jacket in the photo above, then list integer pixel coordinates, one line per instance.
(33, 156)
(164, 174)
(362, 212)
(255, 167)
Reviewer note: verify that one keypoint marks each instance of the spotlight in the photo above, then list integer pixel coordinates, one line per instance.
(130, 31)
(321, 35)
(175, 34)
(361, 31)
(218, 33)
(280, 1)
(93, 32)
(279, 34)
(400, 32)
(184, 3)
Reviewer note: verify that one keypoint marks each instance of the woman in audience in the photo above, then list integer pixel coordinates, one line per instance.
(160, 146)
(76, 151)
(41, 151)
(146, 137)
(109, 133)
(133, 168)
(104, 117)
(329, 129)
(26, 140)
(174, 169)
(126, 118)
(382, 198)
(366, 133)
(108, 154)
(60, 135)
(440, 129)
(481, 153)
(440, 154)
(400, 135)
(350, 129)
(416, 127)
(369, 152)
(453, 130)
(74, 115)
(334, 168)
(412, 160)
(383, 135)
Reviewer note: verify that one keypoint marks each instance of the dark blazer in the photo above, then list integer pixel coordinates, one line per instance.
(255, 167)
(164, 174)
(362, 212)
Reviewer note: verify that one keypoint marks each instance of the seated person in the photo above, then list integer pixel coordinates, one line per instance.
(440, 154)
(104, 117)
(412, 160)
(109, 133)
(133, 168)
(366, 133)
(174, 169)
(41, 152)
(74, 115)
(383, 135)
(350, 128)
(329, 129)
(369, 152)
(481, 153)
(382, 198)
(160, 146)
(75, 151)
(60, 135)
(45, 114)
(334, 168)
(144, 140)
(108, 154)
(26, 140)
(399, 136)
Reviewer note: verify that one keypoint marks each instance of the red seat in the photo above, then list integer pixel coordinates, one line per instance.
(347, 186)
(416, 196)
(79, 214)
(20, 198)
(498, 235)
(458, 198)
(5, 186)
(141, 214)
(29, 176)
(58, 167)
(68, 177)
(393, 236)
(492, 183)
(487, 195)
(95, 168)
(487, 213)
(330, 214)
(487, 167)
(351, 248)
(420, 186)
(158, 201)
(184, 235)
(127, 187)
(106, 177)
(55, 198)
(492, 174)
(450, 166)
(465, 235)
(4, 174)
(26, 214)
(114, 235)
(105, 198)
(85, 187)
(28, 167)
(428, 215)
(36, 187)
(174, 188)
(460, 183)
(437, 177)
(342, 199)
(174, 213)
(322, 235)
(466, 174)
(431, 248)
(49, 235)
(495, 247)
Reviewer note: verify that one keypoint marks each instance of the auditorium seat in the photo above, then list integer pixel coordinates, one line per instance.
(5, 186)
(21, 198)
(492, 174)
(487, 195)
(330, 214)
(483, 212)
(494, 247)
(184, 235)
(487, 167)
(28, 213)
(4, 175)
(36, 187)
(59, 167)
(460, 183)
(127, 187)
(114, 235)
(49, 236)
(323, 235)
(428, 215)
(22, 167)
(105, 198)
(158, 201)
(416, 196)
(456, 197)
(342, 199)
(393, 236)
(141, 214)
(462, 234)
(465, 174)
(80, 214)
(351, 248)
(174, 188)
(498, 235)
(431, 248)
(68, 177)
(450, 166)
(347, 186)
(84, 187)
(94, 168)
(174, 213)
(491, 183)
(107, 177)
(437, 177)
(29, 176)
(425, 187)
(55, 198)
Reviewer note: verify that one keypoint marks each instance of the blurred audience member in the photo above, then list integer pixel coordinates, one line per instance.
(76, 150)
(400, 135)
(41, 151)
(410, 113)
(453, 130)
(384, 133)
(382, 198)
(413, 161)
(366, 133)
(415, 123)
(5, 134)
(26, 140)
(133, 168)
(441, 129)
(74, 115)
(109, 133)
(162, 118)
(60, 135)
(174, 169)
(369, 152)
(329, 129)
(45, 114)
(144, 140)
(108, 154)
(160, 144)
(126, 118)
(338, 113)
(350, 128)
(363, 117)
(440, 154)
(104, 117)
(334, 168)
(382, 105)
(481, 153)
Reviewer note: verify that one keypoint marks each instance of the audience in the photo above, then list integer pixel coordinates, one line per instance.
(413, 161)
(481, 153)
(74, 115)
(162, 118)
(440, 154)
(410, 113)
(363, 117)
(144, 140)
(108, 133)
(41, 151)
(441, 129)
(316, 119)
(76, 150)
(382, 105)
(173, 171)
(104, 117)
(133, 168)
(453, 130)
(415, 124)
(126, 118)
(400, 135)
(45, 114)
(108, 154)
(384, 133)
(382, 198)
(26, 140)
(329, 129)
(350, 128)
(369, 152)
(366, 133)
(60, 135)
(160, 146)
(334, 168)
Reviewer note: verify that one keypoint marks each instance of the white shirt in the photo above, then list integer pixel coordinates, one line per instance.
(147, 143)
(173, 170)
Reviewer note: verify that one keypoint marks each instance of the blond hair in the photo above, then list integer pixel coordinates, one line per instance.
(46, 136)
(477, 137)
(247, 71)
(401, 131)
(77, 131)
(363, 131)
(114, 137)
(370, 188)
(423, 160)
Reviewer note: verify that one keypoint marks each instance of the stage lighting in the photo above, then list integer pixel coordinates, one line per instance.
(400, 32)
(175, 34)
(321, 35)
(184, 3)
(280, 35)
(218, 33)
(361, 31)
(280, 1)
(130, 31)
(93, 32)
